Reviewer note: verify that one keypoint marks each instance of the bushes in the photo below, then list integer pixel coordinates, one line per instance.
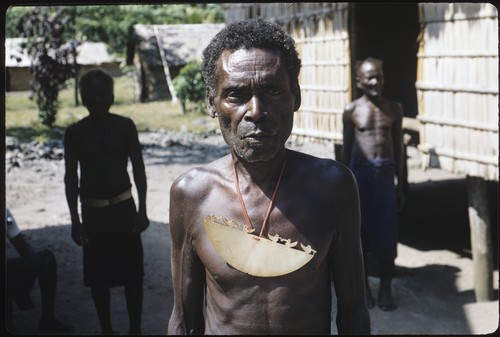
(190, 87)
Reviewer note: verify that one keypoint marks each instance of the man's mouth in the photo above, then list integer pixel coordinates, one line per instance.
(260, 132)
(259, 135)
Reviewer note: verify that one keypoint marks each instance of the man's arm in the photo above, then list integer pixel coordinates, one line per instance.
(139, 171)
(399, 156)
(347, 262)
(348, 134)
(78, 233)
(188, 273)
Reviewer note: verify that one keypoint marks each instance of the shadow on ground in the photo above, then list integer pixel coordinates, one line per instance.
(436, 217)
(74, 303)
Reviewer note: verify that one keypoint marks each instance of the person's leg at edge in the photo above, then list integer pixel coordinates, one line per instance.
(101, 297)
(385, 299)
(47, 279)
(133, 296)
(370, 301)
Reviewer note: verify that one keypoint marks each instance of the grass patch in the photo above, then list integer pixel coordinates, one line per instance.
(22, 122)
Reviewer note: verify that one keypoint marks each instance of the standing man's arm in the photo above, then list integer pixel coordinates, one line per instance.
(78, 233)
(347, 262)
(139, 171)
(188, 273)
(399, 156)
(348, 134)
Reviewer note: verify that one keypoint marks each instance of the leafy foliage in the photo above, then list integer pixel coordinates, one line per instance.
(111, 23)
(190, 87)
(47, 30)
(53, 32)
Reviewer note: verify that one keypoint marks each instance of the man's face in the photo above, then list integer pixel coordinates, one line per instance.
(254, 102)
(370, 79)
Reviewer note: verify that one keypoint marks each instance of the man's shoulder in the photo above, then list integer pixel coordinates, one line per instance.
(197, 179)
(349, 107)
(120, 118)
(396, 106)
(74, 127)
(122, 123)
(321, 174)
(316, 165)
(78, 123)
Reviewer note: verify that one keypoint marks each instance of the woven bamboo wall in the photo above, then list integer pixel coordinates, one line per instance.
(457, 88)
(320, 31)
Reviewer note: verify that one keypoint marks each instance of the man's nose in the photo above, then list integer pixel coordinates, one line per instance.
(255, 109)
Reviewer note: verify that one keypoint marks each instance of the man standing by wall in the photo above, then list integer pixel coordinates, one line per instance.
(373, 149)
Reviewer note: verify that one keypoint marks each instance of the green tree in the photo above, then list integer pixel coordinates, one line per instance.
(111, 23)
(48, 31)
(190, 86)
(12, 17)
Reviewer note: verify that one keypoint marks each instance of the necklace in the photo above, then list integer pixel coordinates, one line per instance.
(235, 242)
(242, 202)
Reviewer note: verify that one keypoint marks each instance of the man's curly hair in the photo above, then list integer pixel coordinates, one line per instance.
(247, 34)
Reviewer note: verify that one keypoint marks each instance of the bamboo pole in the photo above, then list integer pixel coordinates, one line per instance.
(456, 154)
(457, 123)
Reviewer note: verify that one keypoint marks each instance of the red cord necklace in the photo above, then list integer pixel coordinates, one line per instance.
(242, 203)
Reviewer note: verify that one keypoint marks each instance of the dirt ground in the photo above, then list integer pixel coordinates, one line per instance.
(434, 279)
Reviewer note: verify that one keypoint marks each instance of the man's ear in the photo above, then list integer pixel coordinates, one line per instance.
(298, 97)
(210, 105)
(112, 99)
(358, 83)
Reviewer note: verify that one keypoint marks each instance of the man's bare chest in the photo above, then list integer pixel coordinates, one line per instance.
(373, 118)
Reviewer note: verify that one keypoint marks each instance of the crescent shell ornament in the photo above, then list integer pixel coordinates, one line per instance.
(252, 254)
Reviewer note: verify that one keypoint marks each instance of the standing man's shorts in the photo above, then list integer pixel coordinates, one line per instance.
(114, 253)
(379, 219)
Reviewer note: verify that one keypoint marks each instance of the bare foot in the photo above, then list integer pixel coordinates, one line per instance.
(369, 300)
(55, 326)
(385, 301)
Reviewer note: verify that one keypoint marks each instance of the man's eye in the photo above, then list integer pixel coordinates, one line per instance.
(273, 92)
(235, 96)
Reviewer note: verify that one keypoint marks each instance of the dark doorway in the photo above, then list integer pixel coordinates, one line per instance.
(388, 31)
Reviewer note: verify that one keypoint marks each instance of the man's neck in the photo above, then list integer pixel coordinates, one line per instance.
(376, 100)
(261, 171)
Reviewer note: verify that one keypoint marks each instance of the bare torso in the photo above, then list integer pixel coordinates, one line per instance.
(312, 214)
(373, 128)
(103, 150)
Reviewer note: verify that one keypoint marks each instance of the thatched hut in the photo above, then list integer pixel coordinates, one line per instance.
(95, 54)
(440, 62)
(158, 52)
(457, 88)
(17, 66)
(18, 62)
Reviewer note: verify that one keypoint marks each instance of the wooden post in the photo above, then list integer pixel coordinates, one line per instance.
(166, 70)
(480, 233)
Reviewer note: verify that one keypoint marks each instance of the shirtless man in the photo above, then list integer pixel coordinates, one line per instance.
(373, 149)
(275, 278)
(110, 230)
